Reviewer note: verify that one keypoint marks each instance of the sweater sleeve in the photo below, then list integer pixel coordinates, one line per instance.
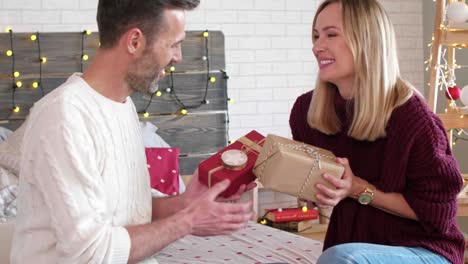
(62, 161)
(433, 179)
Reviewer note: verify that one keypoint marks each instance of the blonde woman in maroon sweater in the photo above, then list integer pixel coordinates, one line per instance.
(396, 201)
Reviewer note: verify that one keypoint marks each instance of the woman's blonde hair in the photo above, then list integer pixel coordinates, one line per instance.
(378, 88)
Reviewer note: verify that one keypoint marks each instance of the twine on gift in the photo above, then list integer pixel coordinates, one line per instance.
(247, 147)
(251, 145)
(313, 153)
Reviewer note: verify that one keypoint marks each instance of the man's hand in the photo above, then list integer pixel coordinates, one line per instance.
(209, 216)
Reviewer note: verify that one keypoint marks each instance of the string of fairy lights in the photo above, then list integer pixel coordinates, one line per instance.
(14, 74)
(173, 90)
(16, 83)
(42, 60)
(84, 56)
(447, 78)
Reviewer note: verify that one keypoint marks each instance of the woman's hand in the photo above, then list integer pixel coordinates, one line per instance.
(348, 185)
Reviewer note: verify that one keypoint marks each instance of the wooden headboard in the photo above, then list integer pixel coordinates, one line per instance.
(199, 133)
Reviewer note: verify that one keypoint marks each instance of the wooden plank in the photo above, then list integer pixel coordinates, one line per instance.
(454, 120)
(11, 124)
(462, 210)
(63, 52)
(455, 37)
(196, 134)
(187, 165)
(193, 50)
(186, 87)
(190, 89)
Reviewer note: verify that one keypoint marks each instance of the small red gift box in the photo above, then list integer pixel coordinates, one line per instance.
(214, 170)
(163, 166)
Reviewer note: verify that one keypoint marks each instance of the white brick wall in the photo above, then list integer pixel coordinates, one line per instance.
(268, 47)
(269, 59)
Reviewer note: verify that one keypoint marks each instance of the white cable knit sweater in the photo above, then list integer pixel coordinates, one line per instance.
(83, 178)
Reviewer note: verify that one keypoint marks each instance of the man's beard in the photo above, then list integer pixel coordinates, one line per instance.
(140, 83)
(143, 75)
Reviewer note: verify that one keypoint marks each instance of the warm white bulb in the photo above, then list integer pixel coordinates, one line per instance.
(464, 95)
(457, 12)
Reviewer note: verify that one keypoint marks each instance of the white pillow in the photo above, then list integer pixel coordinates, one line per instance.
(10, 150)
(8, 194)
(150, 138)
(4, 133)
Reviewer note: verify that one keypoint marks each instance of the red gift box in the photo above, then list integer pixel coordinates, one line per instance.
(213, 170)
(163, 167)
(290, 214)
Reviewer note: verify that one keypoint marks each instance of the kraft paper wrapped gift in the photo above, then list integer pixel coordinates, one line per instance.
(292, 167)
(214, 170)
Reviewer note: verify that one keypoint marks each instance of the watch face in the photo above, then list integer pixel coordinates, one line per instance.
(365, 198)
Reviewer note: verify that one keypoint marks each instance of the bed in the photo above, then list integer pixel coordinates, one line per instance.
(199, 134)
(255, 243)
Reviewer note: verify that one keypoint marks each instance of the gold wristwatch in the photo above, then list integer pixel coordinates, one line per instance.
(367, 195)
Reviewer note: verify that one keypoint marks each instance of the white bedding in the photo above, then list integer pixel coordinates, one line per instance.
(4, 133)
(9, 169)
(8, 194)
(254, 244)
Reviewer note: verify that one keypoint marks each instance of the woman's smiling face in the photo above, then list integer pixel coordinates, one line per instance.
(333, 54)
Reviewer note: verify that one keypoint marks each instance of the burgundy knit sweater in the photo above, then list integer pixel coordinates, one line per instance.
(414, 159)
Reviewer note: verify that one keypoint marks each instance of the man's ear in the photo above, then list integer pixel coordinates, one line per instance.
(135, 41)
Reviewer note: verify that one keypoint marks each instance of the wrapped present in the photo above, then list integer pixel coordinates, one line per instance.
(292, 167)
(163, 167)
(234, 162)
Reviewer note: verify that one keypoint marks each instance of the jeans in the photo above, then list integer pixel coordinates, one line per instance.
(354, 253)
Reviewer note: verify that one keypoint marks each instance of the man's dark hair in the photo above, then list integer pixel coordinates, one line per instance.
(115, 17)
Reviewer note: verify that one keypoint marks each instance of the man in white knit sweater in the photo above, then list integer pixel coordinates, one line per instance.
(84, 185)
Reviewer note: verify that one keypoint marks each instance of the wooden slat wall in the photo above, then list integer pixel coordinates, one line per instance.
(198, 134)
